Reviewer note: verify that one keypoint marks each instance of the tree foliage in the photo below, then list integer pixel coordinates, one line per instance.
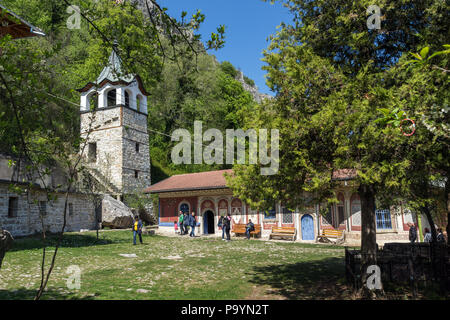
(332, 76)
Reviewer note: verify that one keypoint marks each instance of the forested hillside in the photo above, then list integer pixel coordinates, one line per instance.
(185, 83)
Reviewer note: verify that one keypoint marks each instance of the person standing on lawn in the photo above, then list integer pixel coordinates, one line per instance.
(227, 225)
(192, 223)
(186, 223)
(137, 229)
(180, 222)
(220, 225)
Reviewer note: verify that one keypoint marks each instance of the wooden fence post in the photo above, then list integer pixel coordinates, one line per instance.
(412, 278)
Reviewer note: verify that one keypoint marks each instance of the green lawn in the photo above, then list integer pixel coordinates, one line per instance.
(177, 268)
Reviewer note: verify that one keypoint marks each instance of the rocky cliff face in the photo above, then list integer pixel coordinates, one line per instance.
(149, 10)
(142, 5)
(258, 96)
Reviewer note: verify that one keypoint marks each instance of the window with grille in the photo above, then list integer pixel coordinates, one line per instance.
(383, 219)
(287, 216)
(356, 210)
(327, 218)
(340, 208)
(70, 209)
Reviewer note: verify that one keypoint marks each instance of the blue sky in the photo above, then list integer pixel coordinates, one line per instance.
(248, 25)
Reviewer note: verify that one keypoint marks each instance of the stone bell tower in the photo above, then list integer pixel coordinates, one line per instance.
(114, 122)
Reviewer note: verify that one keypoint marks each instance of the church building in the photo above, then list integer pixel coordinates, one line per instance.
(207, 194)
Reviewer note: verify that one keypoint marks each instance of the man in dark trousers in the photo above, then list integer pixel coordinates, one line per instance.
(412, 232)
(249, 228)
(227, 225)
(186, 223)
(192, 223)
(180, 222)
(137, 229)
(220, 225)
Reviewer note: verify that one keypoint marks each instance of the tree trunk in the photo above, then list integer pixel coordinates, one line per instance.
(368, 231)
(447, 202)
(426, 210)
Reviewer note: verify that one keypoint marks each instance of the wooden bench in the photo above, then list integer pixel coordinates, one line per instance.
(239, 228)
(328, 234)
(283, 232)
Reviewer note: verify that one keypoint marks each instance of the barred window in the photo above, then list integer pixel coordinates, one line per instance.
(287, 216)
(340, 210)
(356, 210)
(383, 219)
(327, 218)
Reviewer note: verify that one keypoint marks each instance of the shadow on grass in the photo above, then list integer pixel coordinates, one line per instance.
(29, 294)
(68, 241)
(319, 279)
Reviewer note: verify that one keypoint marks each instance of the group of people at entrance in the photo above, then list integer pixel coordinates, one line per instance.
(427, 234)
(186, 221)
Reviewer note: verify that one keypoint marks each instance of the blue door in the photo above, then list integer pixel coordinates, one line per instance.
(307, 227)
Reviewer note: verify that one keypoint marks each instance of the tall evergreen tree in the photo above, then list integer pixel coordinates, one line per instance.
(331, 75)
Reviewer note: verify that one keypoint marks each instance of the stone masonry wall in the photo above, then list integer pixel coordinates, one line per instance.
(108, 134)
(27, 221)
(135, 131)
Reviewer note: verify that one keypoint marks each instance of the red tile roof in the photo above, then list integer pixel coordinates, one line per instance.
(191, 181)
(215, 180)
(344, 174)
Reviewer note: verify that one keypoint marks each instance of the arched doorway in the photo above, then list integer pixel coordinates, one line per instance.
(307, 227)
(208, 222)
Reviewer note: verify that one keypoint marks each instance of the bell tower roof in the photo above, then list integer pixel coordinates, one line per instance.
(113, 71)
(113, 74)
